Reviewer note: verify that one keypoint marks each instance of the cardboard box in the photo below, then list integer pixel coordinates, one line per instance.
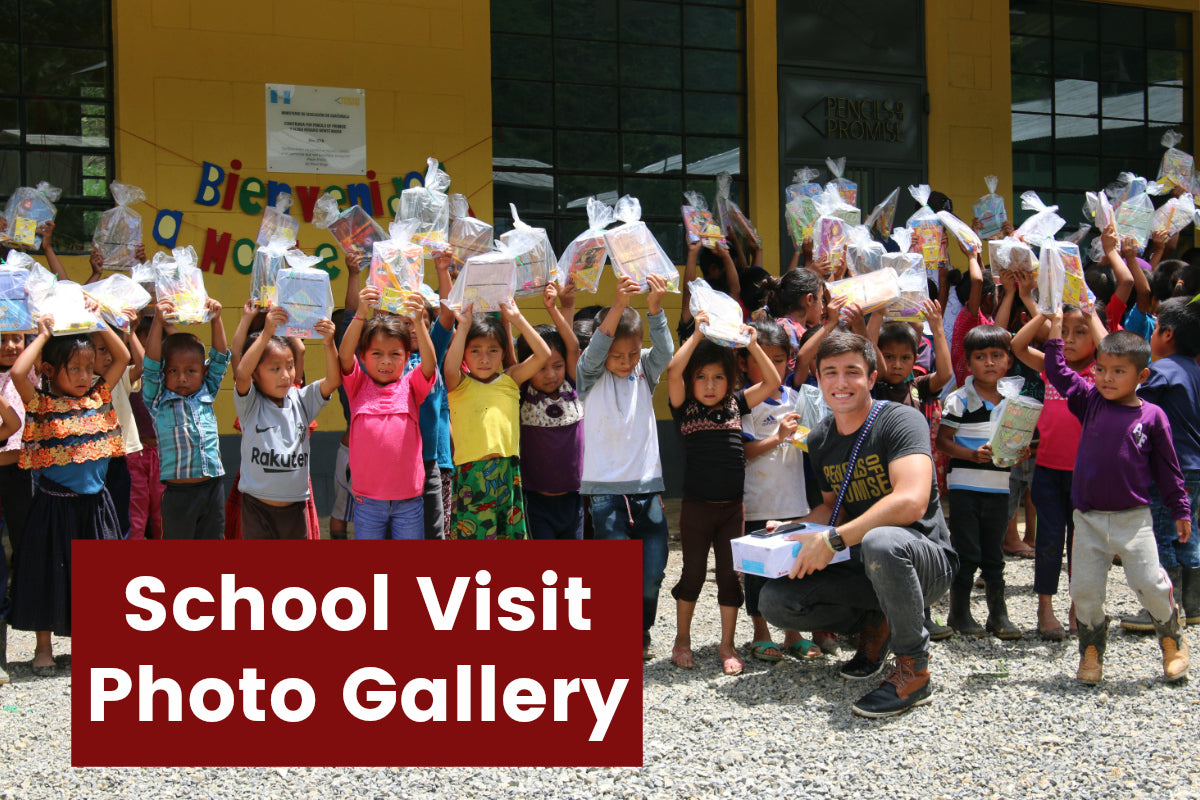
(772, 556)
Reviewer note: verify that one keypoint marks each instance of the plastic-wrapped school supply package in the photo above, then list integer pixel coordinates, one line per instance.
(911, 276)
(1176, 167)
(304, 293)
(119, 231)
(990, 210)
(962, 231)
(1045, 222)
(863, 254)
(63, 300)
(801, 214)
(1075, 291)
(430, 205)
(486, 281)
(927, 230)
(584, 259)
(353, 228)
(699, 222)
(27, 208)
(870, 291)
(268, 260)
(118, 295)
(848, 189)
(731, 217)
(1134, 219)
(1051, 279)
(1013, 423)
(178, 279)
(634, 251)
(537, 265)
(1099, 208)
(1010, 253)
(803, 184)
(724, 324)
(1079, 235)
(14, 304)
(397, 266)
(277, 223)
(1174, 215)
(882, 216)
(468, 236)
(830, 236)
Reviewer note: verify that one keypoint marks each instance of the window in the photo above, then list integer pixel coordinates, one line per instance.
(1095, 86)
(613, 97)
(56, 109)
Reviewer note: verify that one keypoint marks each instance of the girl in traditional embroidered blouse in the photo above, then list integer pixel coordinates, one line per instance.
(71, 431)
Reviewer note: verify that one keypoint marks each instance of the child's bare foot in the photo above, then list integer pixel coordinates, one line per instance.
(1048, 626)
(681, 654)
(43, 660)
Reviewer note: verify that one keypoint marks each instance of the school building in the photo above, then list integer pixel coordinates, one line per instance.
(542, 103)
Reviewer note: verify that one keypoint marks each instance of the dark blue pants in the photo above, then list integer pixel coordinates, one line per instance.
(1051, 492)
(978, 522)
(554, 516)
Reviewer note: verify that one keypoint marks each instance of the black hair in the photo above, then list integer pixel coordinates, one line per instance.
(390, 326)
(550, 336)
(1191, 256)
(587, 312)
(59, 351)
(1163, 278)
(786, 294)
(278, 342)
(962, 285)
(982, 337)
(583, 329)
(143, 326)
(181, 344)
(1127, 345)
(940, 202)
(706, 353)
(754, 282)
(1182, 317)
(628, 326)
(708, 260)
(1100, 281)
(899, 333)
(1187, 281)
(772, 334)
(488, 326)
(841, 342)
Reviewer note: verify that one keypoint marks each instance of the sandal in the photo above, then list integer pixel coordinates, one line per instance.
(766, 650)
(803, 649)
(732, 665)
(1021, 552)
(1055, 634)
(682, 657)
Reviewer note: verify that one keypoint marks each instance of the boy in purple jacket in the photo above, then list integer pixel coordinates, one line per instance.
(1125, 442)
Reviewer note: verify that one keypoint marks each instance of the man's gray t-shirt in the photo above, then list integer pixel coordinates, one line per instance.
(898, 431)
(275, 449)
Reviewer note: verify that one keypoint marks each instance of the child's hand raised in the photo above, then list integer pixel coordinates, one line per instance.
(369, 296)
(658, 290)
(46, 325)
(627, 287)
(414, 306)
(327, 329)
(1108, 238)
(276, 316)
(1006, 228)
(354, 261)
(213, 307)
(1024, 282)
(46, 231)
(509, 312)
(1129, 247)
(96, 261)
(566, 295)
(752, 332)
(550, 296)
(249, 308)
(139, 252)
(853, 314)
(90, 304)
(442, 261)
(932, 310)
(701, 318)
(465, 313)
(833, 312)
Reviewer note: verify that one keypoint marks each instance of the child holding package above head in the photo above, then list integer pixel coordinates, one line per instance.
(708, 410)
(897, 344)
(180, 390)
(621, 470)
(978, 488)
(145, 487)
(119, 481)
(71, 432)
(978, 295)
(1058, 434)
(797, 301)
(485, 422)
(1126, 444)
(275, 416)
(385, 433)
(552, 427)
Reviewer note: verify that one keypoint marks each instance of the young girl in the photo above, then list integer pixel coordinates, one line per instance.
(1058, 433)
(385, 435)
(552, 428)
(797, 301)
(275, 416)
(485, 423)
(71, 431)
(708, 414)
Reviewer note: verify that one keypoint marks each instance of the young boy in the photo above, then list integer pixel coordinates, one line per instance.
(621, 469)
(180, 390)
(1125, 441)
(1174, 386)
(978, 488)
(898, 344)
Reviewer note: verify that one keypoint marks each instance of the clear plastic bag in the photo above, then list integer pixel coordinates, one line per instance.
(990, 210)
(803, 184)
(1134, 218)
(397, 266)
(914, 287)
(884, 214)
(119, 231)
(118, 295)
(831, 231)
(584, 259)
(1010, 253)
(1128, 186)
(178, 279)
(1176, 167)
(962, 231)
(486, 281)
(468, 236)
(1075, 289)
(801, 213)
(863, 254)
(871, 291)
(304, 293)
(27, 208)
(927, 230)
(353, 228)
(277, 223)
(537, 266)
(1044, 224)
(64, 302)
(1174, 215)
(14, 303)
(724, 324)
(430, 206)
(1079, 235)
(1051, 280)
(634, 250)
(1100, 209)
(731, 217)
(699, 223)
(848, 189)
(268, 260)
(1013, 422)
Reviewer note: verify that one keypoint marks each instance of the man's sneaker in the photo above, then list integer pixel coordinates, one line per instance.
(907, 685)
(872, 651)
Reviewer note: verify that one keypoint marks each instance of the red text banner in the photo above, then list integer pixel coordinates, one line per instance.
(356, 654)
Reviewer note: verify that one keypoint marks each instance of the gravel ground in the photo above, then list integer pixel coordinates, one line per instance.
(1007, 721)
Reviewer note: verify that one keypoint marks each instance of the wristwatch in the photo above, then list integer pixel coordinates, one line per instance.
(835, 540)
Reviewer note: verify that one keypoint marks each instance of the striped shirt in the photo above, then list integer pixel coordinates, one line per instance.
(971, 418)
(188, 443)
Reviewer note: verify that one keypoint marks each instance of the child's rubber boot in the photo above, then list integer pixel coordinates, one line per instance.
(1174, 649)
(936, 631)
(1190, 613)
(960, 612)
(1092, 642)
(997, 619)
(3, 650)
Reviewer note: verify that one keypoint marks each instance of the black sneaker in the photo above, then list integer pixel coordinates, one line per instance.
(905, 686)
(872, 652)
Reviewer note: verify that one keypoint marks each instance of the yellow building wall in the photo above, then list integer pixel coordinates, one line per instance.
(190, 78)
